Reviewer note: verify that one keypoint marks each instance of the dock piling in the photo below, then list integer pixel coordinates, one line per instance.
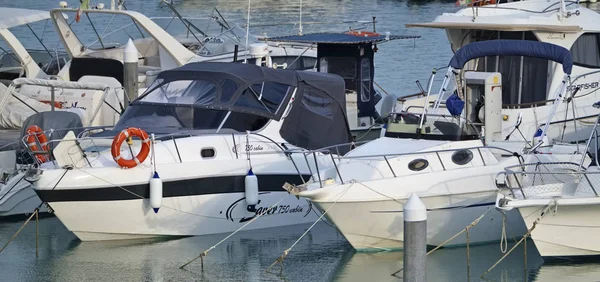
(415, 240)
(130, 73)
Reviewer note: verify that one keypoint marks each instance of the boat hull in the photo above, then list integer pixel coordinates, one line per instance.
(179, 216)
(18, 198)
(571, 231)
(383, 221)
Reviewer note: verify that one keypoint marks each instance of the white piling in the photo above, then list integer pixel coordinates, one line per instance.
(415, 240)
(130, 72)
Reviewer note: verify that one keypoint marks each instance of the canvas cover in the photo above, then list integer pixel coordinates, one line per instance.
(61, 122)
(513, 48)
(317, 118)
(318, 115)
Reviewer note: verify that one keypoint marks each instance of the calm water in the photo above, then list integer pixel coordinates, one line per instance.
(323, 255)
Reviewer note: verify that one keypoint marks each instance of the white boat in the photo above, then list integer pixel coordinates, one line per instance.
(216, 125)
(442, 159)
(181, 41)
(525, 91)
(32, 90)
(558, 201)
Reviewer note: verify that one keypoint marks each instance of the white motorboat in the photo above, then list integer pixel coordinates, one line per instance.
(442, 159)
(558, 201)
(180, 41)
(563, 23)
(216, 127)
(32, 90)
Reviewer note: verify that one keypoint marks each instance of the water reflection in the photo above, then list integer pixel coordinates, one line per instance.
(322, 255)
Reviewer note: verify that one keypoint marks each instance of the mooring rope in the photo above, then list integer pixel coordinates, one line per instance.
(141, 197)
(203, 254)
(286, 252)
(503, 238)
(19, 231)
(551, 204)
(36, 214)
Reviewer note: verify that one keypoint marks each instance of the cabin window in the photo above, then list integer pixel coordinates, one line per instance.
(290, 62)
(462, 157)
(207, 153)
(228, 88)
(342, 66)
(189, 92)
(524, 79)
(418, 164)
(316, 103)
(264, 96)
(365, 79)
(586, 50)
(295, 63)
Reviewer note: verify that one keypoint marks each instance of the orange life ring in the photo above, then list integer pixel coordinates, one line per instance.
(115, 149)
(34, 135)
(363, 33)
(481, 3)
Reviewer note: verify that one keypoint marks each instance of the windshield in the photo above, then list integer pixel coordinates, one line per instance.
(207, 105)
(206, 37)
(435, 127)
(42, 44)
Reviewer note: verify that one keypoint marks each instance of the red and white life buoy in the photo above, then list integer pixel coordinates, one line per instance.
(363, 33)
(115, 149)
(35, 134)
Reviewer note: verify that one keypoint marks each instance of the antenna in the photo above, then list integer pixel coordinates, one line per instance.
(247, 33)
(300, 28)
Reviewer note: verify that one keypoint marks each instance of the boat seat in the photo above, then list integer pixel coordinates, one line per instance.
(60, 121)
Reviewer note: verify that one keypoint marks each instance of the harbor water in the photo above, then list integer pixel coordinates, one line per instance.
(322, 254)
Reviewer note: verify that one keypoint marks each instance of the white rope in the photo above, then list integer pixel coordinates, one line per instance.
(139, 196)
(503, 238)
(234, 232)
(285, 253)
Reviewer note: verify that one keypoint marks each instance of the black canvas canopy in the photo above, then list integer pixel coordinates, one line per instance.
(240, 97)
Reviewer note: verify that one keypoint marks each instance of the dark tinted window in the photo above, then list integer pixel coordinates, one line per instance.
(290, 62)
(586, 50)
(228, 88)
(264, 96)
(342, 66)
(418, 164)
(317, 103)
(515, 69)
(190, 92)
(166, 118)
(462, 157)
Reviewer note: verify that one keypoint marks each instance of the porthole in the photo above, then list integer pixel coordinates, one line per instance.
(462, 157)
(418, 164)
(207, 153)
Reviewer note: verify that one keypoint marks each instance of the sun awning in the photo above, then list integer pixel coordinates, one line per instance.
(11, 17)
(500, 27)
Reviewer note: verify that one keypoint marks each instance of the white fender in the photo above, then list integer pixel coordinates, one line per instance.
(383, 130)
(156, 192)
(251, 188)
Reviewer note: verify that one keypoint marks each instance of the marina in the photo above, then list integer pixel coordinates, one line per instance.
(299, 140)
